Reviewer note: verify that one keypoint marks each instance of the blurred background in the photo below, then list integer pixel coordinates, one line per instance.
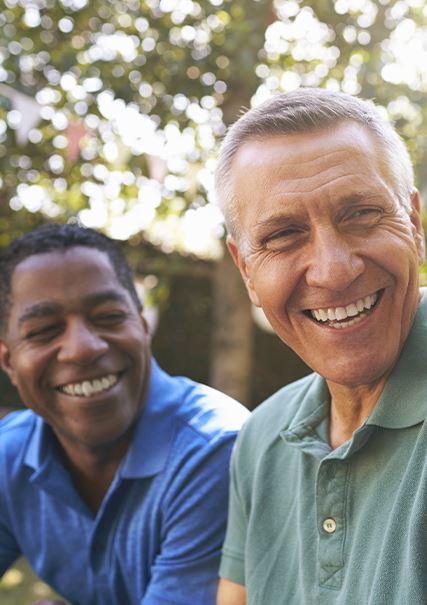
(111, 113)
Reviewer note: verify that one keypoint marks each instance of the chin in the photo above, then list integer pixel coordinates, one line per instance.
(353, 379)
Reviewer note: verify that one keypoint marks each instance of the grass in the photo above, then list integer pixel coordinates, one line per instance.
(20, 586)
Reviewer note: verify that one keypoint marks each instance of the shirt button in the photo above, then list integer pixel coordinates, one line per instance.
(329, 525)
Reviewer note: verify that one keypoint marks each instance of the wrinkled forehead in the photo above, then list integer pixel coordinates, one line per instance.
(301, 159)
(296, 146)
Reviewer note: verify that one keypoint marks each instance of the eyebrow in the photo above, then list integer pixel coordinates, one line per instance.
(39, 311)
(48, 309)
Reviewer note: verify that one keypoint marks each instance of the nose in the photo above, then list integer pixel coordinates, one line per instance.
(81, 344)
(335, 261)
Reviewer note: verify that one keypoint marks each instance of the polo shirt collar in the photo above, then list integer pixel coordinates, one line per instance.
(152, 439)
(403, 402)
(305, 429)
(39, 444)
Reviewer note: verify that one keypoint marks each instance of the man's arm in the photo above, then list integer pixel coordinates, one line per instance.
(230, 593)
(9, 549)
(194, 515)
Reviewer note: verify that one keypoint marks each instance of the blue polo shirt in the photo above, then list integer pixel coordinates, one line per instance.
(157, 537)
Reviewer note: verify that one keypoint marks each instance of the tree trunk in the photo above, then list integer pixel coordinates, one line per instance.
(233, 327)
(232, 333)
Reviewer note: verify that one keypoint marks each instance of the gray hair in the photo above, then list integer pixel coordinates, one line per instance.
(304, 110)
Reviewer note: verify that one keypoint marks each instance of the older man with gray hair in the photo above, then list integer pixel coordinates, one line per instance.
(329, 476)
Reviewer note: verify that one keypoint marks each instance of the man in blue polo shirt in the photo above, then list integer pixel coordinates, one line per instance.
(329, 476)
(114, 483)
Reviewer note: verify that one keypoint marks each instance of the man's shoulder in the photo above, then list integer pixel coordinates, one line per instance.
(209, 412)
(19, 422)
(194, 406)
(15, 431)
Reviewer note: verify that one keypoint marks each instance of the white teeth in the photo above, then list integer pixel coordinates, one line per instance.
(360, 306)
(90, 387)
(87, 388)
(323, 314)
(105, 383)
(340, 313)
(352, 310)
(97, 385)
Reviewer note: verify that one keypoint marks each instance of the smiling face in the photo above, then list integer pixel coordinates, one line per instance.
(327, 251)
(76, 347)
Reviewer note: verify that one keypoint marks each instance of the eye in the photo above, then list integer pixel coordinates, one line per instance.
(284, 237)
(108, 318)
(43, 332)
(366, 215)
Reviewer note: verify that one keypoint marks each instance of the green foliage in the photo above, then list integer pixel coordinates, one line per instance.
(120, 83)
(85, 62)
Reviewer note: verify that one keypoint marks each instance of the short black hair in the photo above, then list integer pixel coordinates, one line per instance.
(55, 236)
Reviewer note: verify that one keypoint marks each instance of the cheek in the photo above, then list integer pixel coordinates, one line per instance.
(403, 257)
(28, 370)
(138, 351)
(403, 234)
(276, 282)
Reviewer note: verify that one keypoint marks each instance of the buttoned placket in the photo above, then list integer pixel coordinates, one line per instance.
(331, 501)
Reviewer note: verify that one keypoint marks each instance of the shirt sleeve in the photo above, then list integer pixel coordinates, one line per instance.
(194, 517)
(232, 562)
(9, 548)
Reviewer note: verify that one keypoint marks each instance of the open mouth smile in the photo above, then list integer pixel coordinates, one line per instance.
(343, 317)
(87, 388)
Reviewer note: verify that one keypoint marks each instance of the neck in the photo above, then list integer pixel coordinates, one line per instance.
(93, 469)
(350, 407)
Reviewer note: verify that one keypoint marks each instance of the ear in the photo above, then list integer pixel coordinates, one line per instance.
(240, 263)
(144, 321)
(5, 362)
(148, 323)
(417, 224)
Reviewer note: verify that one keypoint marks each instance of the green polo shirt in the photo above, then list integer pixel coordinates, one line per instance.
(311, 525)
